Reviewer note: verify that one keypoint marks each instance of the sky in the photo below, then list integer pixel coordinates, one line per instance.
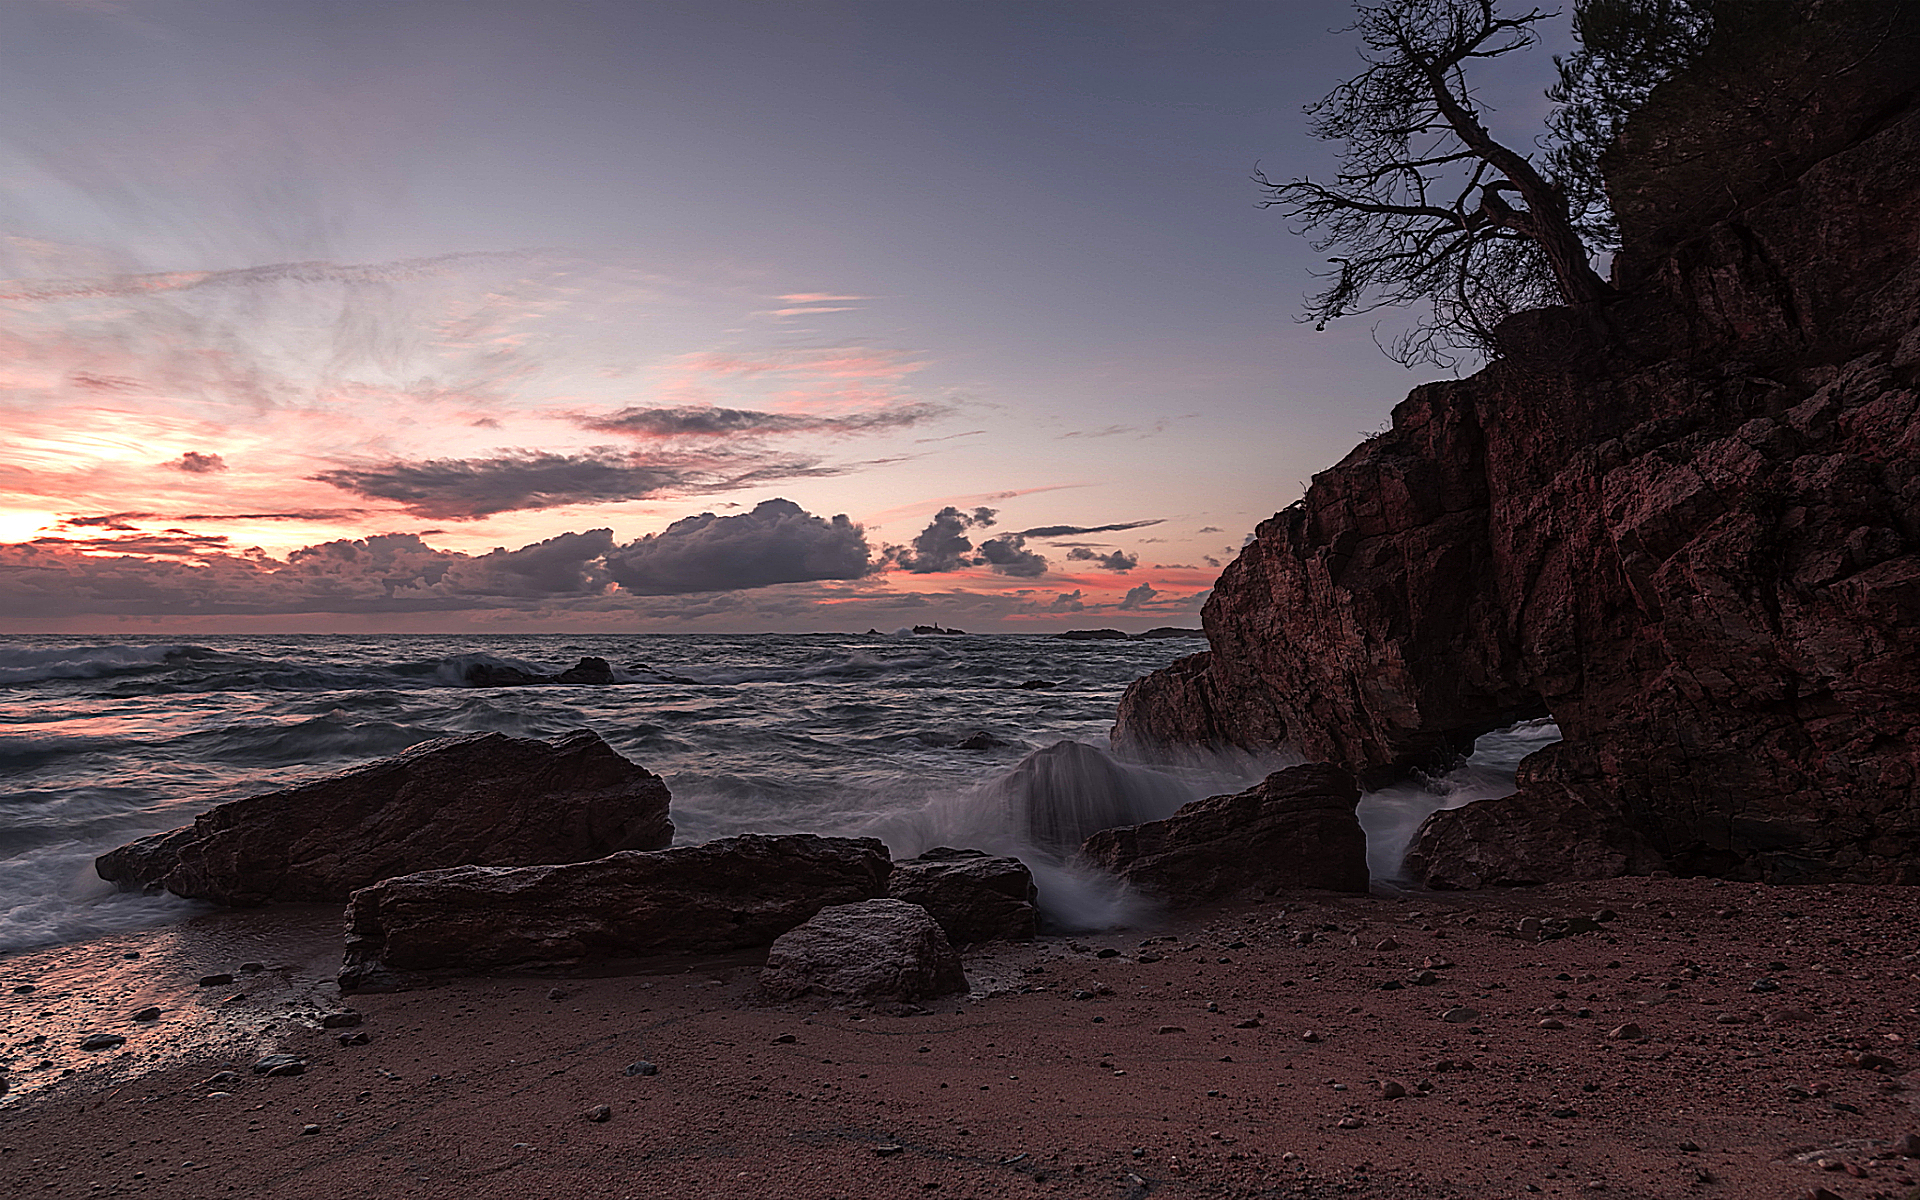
(636, 315)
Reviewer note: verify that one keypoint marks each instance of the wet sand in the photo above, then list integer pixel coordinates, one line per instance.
(1249, 1049)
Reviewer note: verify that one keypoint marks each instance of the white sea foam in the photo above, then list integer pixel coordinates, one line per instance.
(1392, 816)
(53, 895)
(30, 664)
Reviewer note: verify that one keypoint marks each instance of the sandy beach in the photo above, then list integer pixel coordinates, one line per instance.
(1386, 1046)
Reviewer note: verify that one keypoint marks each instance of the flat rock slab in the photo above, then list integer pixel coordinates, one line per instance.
(724, 895)
(876, 950)
(484, 798)
(975, 896)
(1294, 829)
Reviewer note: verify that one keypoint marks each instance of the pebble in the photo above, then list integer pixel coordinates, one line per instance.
(147, 1014)
(357, 1038)
(280, 1064)
(887, 1151)
(1392, 1089)
(1626, 1033)
(252, 968)
(1907, 1144)
(1349, 1123)
(1108, 952)
(1460, 1014)
(1309, 1036)
(216, 980)
(785, 1039)
(1171, 1029)
(1386, 944)
(1249, 1023)
(340, 1020)
(1550, 1023)
(221, 1079)
(102, 1041)
(309, 1130)
(599, 1113)
(643, 1067)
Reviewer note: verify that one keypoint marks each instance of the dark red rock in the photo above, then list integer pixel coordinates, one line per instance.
(1294, 829)
(724, 895)
(975, 896)
(1694, 545)
(484, 799)
(876, 950)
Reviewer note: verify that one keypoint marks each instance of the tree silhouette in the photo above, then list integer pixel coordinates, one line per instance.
(1429, 205)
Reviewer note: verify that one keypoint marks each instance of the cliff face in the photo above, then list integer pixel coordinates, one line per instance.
(1693, 538)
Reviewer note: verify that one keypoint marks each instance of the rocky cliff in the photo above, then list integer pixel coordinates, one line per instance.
(1685, 526)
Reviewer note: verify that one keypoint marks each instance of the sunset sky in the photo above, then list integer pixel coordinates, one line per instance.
(729, 315)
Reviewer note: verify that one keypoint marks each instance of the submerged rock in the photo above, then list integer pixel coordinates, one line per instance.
(588, 670)
(876, 950)
(1294, 829)
(484, 799)
(975, 896)
(724, 895)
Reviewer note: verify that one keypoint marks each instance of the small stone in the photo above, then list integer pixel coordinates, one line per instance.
(309, 1130)
(1249, 1023)
(1392, 1089)
(785, 1039)
(252, 968)
(643, 1067)
(216, 980)
(1460, 1014)
(1108, 952)
(222, 1079)
(1729, 1019)
(23, 989)
(280, 1064)
(150, 1013)
(556, 993)
(888, 1150)
(1425, 979)
(1690, 1147)
(1908, 1145)
(1551, 1023)
(1309, 1036)
(1171, 1029)
(1349, 1123)
(1626, 1033)
(1764, 985)
(357, 1038)
(1530, 928)
(340, 1020)
(599, 1113)
(1564, 1113)
(102, 1041)
(1386, 944)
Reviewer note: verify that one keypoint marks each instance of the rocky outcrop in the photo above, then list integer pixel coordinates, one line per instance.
(873, 951)
(1294, 829)
(485, 674)
(484, 799)
(975, 896)
(1694, 541)
(724, 895)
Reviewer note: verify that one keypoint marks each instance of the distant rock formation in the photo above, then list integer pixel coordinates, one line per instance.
(484, 798)
(1687, 527)
(937, 629)
(1294, 829)
(1116, 635)
(723, 895)
(874, 950)
(975, 896)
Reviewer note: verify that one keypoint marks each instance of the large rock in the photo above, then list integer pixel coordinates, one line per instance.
(875, 950)
(725, 895)
(1294, 829)
(975, 896)
(1545, 832)
(484, 798)
(1695, 544)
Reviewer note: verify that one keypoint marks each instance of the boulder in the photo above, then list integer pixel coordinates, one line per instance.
(1545, 832)
(975, 896)
(1294, 829)
(875, 950)
(587, 670)
(484, 798)
(724, 895)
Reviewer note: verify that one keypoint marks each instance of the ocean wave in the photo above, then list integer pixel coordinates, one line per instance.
(34, 664)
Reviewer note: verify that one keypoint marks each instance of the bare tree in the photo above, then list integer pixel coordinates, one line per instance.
(1428, 205)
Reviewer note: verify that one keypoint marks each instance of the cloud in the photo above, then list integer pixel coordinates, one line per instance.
(467, 489)
(777, 542)
(1211, 529)
(195, 463)
(819, 298)
(1119, 560)
(713, 421)
(173, 541)
(943, 545)
(1008, 555)
(1068, 601)
(1057, 531)
(1137, 598)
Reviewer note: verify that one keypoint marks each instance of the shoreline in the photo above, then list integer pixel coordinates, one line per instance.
(1189, 1050)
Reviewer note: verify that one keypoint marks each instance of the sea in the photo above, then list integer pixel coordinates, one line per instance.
(920, 739)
